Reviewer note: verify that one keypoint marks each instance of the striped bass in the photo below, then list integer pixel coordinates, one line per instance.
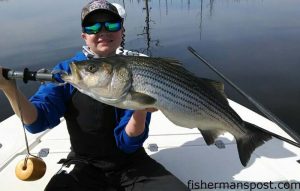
(133, 82)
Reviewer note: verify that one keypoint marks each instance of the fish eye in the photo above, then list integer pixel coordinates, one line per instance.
(91, 68)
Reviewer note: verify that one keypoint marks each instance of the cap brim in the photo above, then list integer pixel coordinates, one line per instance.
(105, 11)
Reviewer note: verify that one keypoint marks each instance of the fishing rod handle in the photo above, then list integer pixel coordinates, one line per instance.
(27, 75)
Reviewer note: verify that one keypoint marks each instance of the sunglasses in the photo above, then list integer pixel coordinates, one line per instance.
(110, 26)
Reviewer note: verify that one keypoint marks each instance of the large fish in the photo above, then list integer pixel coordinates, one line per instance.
(133, 82)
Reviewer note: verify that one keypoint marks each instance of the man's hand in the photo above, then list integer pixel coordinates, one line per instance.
(136, 124)
(6, 84)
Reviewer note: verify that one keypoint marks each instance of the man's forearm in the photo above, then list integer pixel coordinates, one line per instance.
(18, 100)
(136, 124)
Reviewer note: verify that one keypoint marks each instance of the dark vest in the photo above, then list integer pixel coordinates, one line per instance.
(91, 127)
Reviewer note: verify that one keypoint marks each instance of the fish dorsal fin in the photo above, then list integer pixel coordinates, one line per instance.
(219, 86)
(171, 61)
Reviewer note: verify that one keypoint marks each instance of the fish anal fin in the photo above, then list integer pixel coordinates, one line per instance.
(210, 135)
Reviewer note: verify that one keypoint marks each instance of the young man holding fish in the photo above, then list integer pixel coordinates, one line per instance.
(106, 141)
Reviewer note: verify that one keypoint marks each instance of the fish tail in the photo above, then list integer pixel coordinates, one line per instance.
(248, 143)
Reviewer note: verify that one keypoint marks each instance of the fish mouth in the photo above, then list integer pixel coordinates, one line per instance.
(74, 76)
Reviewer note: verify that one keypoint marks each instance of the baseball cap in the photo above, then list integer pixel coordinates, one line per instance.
(98, 5)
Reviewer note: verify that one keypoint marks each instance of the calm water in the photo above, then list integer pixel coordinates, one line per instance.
(255, 43)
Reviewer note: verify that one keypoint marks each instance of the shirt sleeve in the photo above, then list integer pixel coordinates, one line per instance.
(50, 101)
(50, 104)
(124, 142)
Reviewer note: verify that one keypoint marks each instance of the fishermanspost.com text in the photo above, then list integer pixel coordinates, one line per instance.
(199, 185)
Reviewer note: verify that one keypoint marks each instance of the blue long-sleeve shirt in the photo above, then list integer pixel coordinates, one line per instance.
(50, 101)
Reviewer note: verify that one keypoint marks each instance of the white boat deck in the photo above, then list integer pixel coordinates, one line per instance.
(182, 151)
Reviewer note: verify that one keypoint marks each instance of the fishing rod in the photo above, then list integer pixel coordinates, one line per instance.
(32, 167)
(27, 75)
(261, 108)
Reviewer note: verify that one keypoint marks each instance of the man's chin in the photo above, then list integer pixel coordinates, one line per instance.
(105, 51)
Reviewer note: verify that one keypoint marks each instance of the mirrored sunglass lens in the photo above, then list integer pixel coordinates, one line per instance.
(115, 26)
(93, 29)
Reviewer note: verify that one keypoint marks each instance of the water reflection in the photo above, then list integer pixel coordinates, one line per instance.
(201, 16)
(146, 32)
(149, 22)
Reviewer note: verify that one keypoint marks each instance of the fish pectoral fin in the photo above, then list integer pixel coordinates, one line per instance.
(210, 136)
(142, 98)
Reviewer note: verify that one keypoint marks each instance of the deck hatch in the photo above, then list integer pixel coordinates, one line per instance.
(153, 147)
(43, 152)
(220, 144)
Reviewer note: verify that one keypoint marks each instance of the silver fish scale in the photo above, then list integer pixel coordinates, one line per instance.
(151, 82)
(178, 90)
